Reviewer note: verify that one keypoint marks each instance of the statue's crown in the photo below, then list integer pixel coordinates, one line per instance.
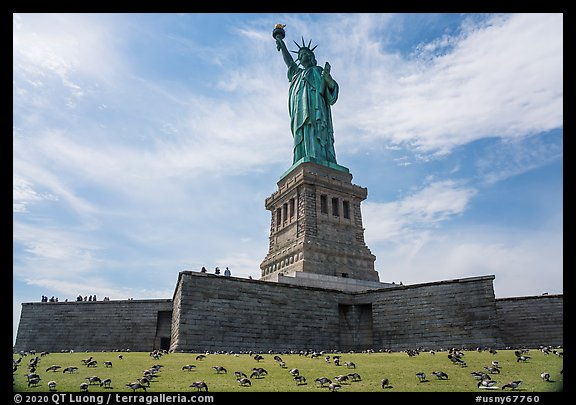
(304, 47)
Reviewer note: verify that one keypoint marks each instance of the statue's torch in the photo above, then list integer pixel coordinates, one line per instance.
(278, 33)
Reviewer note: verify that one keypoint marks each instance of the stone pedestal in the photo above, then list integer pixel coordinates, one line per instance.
(316, 225)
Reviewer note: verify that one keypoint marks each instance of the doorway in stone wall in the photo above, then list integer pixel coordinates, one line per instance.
(163, 327)
(355, 324)
(164, 343)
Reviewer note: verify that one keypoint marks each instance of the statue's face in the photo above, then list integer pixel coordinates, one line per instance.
(306, 58)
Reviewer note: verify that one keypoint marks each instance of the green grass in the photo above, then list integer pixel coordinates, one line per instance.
(398, 367)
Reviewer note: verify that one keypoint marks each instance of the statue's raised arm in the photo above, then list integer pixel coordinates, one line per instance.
(279, 35)
(312, 91)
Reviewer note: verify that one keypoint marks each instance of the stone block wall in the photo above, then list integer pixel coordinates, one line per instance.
(210, 312)
(444, 314)
(228, 313)
(531, 321)
(224, 313)
(93, 325)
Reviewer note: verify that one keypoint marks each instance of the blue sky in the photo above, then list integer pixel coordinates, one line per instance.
(146, 144)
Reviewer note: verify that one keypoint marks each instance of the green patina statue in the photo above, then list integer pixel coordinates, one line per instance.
(312, 92)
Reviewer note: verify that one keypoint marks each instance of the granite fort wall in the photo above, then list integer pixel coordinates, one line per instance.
(531, 321)
(138, 325)
(227, 313)
(210, 312)
(453, 313)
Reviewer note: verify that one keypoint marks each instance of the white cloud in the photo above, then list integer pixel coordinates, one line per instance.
(424, 209)
(43, 247)
(23, 193)
(512, 157)
(67, 46)
(35, 169)
(241, 126)
(522, 263)
(502, 79)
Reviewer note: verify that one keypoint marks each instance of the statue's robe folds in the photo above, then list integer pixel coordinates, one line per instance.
(309, 104)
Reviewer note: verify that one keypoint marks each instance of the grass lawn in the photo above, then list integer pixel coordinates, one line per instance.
(398, 367)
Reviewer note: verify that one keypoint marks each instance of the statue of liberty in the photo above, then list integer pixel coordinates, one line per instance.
(312, 92)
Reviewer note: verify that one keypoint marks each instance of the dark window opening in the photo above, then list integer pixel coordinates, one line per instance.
(335, 207)
(278, 216)
(324, 204)
(346, 209)
(292, 207)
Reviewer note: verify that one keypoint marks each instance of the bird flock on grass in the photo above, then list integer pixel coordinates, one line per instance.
(489, 377)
